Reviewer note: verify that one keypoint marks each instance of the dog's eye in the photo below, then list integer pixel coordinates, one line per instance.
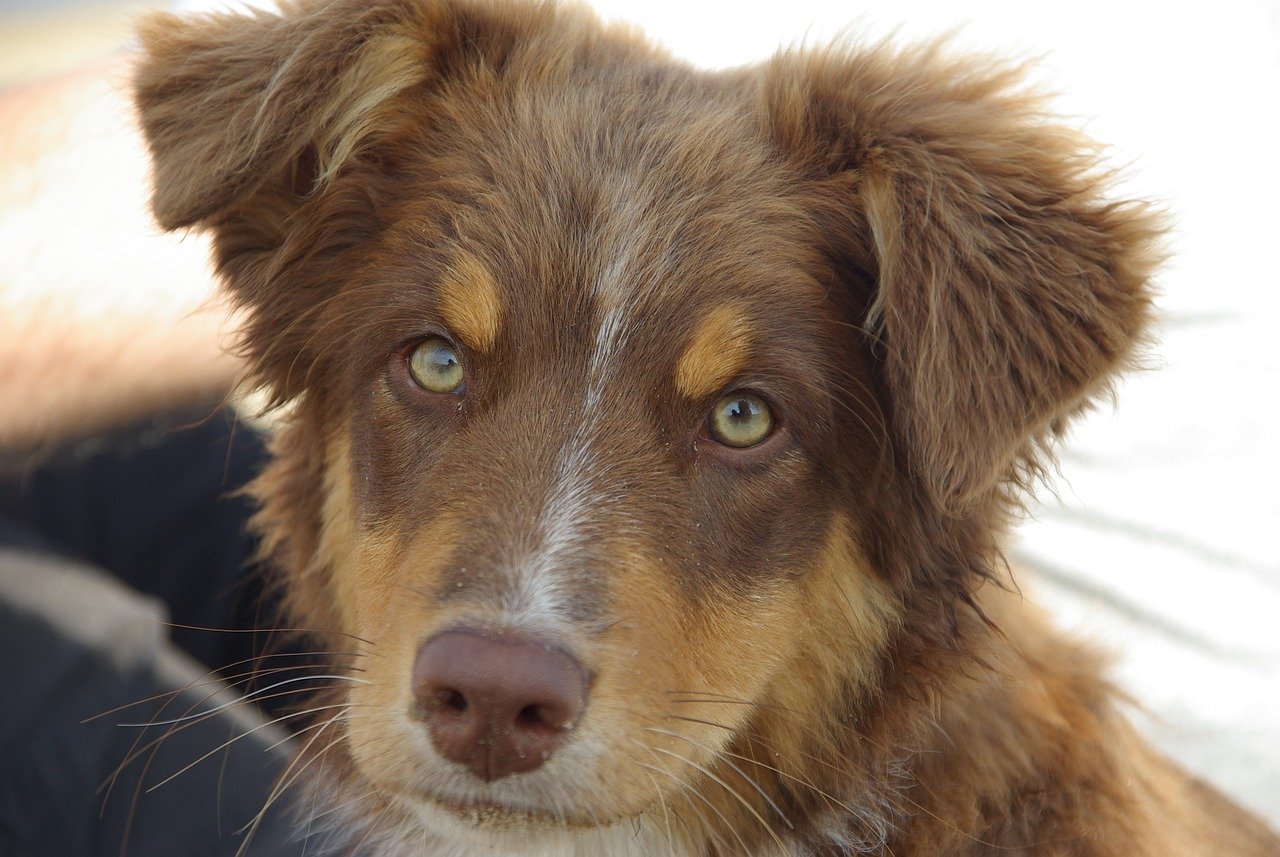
(740, 419)
(436, 366)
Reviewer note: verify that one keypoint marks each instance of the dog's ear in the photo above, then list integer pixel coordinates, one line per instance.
(1007, 288)
(252, 118)
(259, 108)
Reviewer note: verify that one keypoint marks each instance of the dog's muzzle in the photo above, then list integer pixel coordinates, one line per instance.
(498, 704)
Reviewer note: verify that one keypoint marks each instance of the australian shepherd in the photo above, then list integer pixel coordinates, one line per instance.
(652, 434)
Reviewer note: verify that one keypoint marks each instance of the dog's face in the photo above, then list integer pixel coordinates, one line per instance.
(595, 401)
(642, 417)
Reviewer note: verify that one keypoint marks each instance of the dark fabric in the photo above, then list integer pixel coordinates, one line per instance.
(104, 548)
(156, 505)
(77, 644)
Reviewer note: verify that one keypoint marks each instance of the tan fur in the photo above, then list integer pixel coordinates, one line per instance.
(718, 349)
(807, 647)
(470, 303)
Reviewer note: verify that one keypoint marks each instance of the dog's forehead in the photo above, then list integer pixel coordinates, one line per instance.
(590, 227)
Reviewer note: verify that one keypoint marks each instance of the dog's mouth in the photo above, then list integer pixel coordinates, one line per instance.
(495, 816)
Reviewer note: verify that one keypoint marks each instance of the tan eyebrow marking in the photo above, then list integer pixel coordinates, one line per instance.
(717, 351)
(470, 303)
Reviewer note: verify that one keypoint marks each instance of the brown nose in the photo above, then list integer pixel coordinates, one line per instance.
(499, 704)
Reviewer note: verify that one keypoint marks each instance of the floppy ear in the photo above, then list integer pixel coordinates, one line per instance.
(248, 118)
(251, 119)
(1008, 289)
(237, 107)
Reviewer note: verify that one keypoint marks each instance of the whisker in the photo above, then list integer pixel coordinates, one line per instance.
(203, 679)
(750, 780)
(681, 791)
(285, 781)
(799, 780)
(136, 752)
(687, 792)
(321, 631)
(799, 720)
(245, 698)
(344, 804)
(286, 739)
(709, 697)
(666, 817)
(249, 732)
(706, 772)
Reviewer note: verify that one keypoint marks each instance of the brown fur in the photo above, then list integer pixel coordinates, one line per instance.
(805, 647)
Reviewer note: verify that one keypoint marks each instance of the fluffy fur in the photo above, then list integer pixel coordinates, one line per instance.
(807, 647)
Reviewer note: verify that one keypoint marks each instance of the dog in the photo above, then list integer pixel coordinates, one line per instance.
(651, 435)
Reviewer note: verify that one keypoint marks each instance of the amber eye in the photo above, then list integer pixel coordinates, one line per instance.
(437, 366)
(740, 420)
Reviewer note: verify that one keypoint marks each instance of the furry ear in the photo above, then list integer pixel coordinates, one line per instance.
(1008, 289)
(262, 107)
(253, 120)
(249, 118)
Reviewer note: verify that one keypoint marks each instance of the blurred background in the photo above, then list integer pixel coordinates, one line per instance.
(1161, 541)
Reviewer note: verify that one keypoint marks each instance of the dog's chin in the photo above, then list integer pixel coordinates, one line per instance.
(481, 820)
(469, 829)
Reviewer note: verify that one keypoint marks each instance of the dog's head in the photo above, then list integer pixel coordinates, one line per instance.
(644, 422)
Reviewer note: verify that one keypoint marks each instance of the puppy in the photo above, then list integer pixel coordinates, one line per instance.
(653, 433)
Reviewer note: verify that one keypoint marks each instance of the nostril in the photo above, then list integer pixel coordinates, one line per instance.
(497, 704)
(442, 700)
(534, 717)
(453, 701)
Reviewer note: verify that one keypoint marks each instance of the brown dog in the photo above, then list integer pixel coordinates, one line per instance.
(653, 432)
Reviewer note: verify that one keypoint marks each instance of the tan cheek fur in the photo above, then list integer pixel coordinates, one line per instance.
(845, 601)
(470, 303)
(638, 664)
(717, 351)
(829, 633)
(386, 743)
(377, 604)
(701, 671)
(361, 563)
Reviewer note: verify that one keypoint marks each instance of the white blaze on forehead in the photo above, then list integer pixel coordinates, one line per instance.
(541, 590)
(609, 337)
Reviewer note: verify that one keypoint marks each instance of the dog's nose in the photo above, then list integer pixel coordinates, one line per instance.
(498, 704)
